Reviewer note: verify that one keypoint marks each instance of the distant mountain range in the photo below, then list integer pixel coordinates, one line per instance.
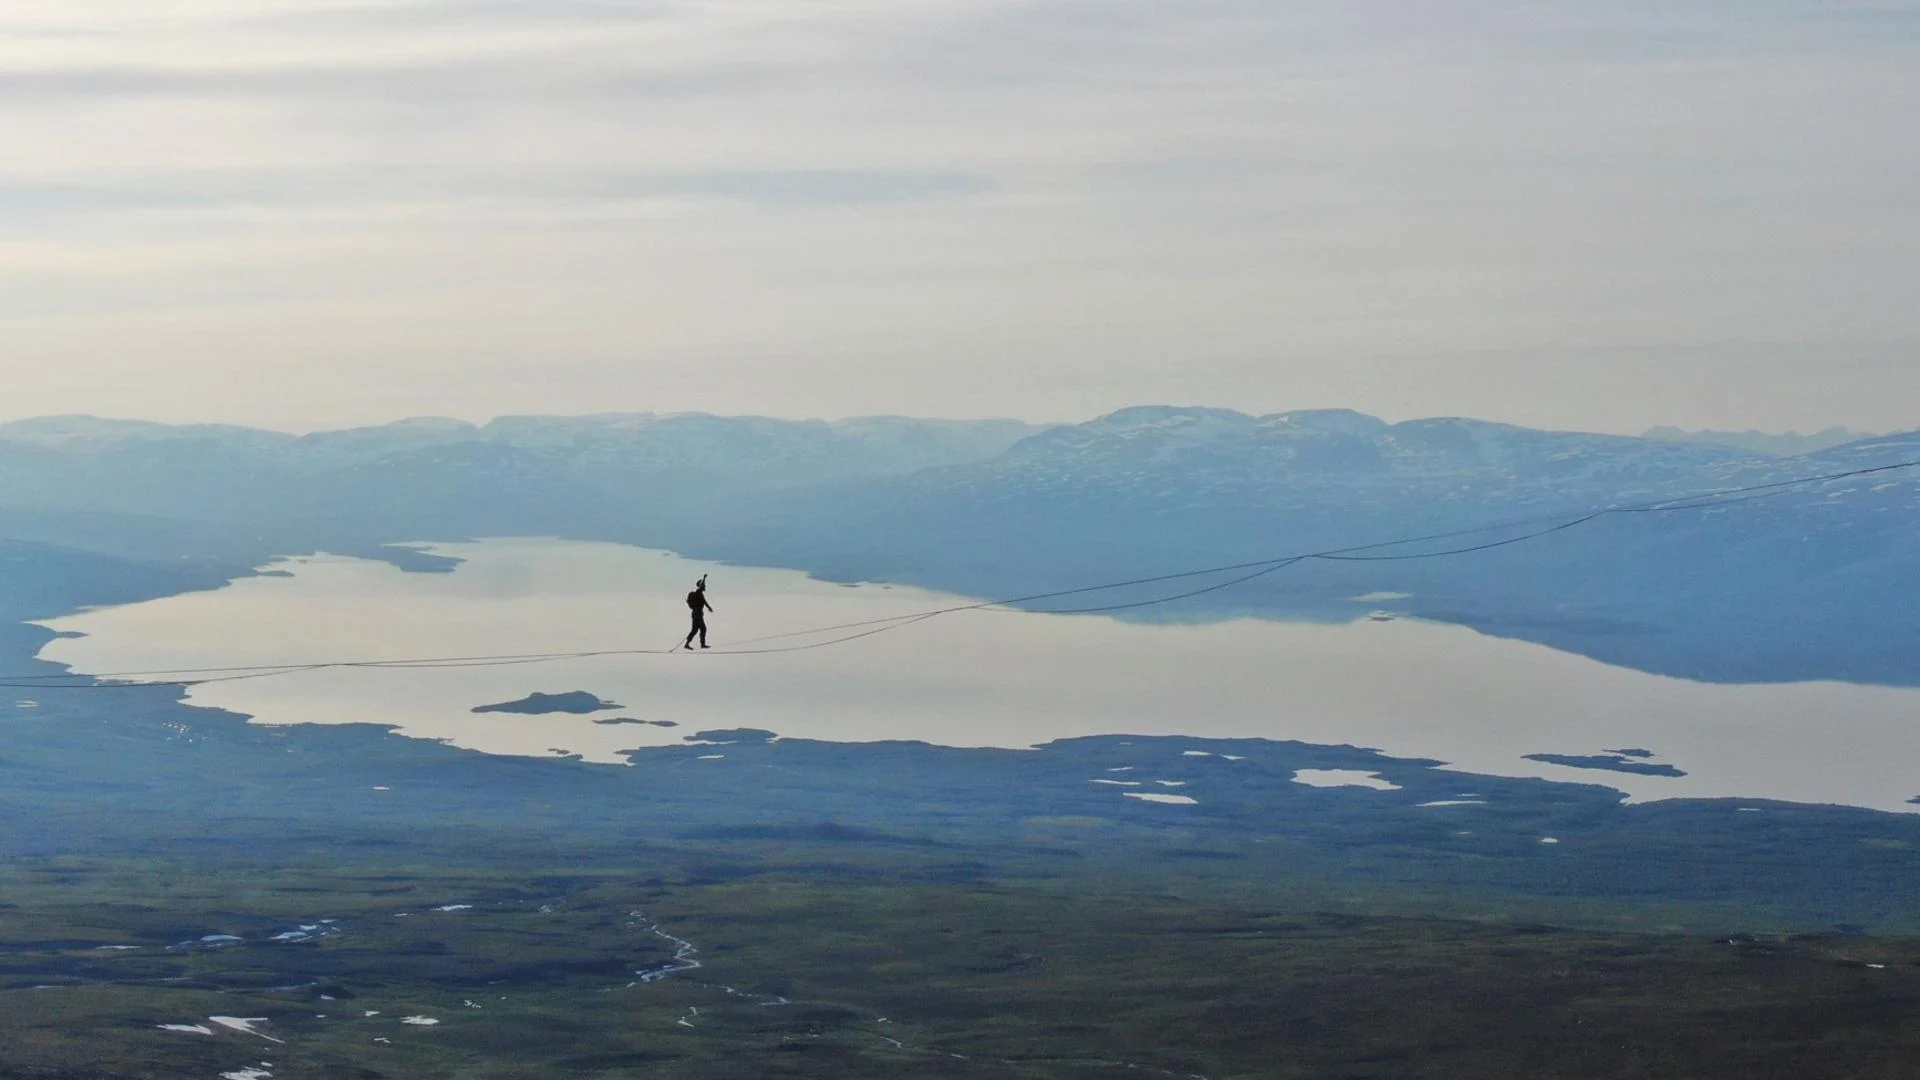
(1812, 583)
(140, 489)
(1761, 442)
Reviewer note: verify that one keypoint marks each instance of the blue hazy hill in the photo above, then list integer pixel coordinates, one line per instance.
(1810, 583)
(1788, 444)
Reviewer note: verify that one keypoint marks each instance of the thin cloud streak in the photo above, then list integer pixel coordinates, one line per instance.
(992, 206)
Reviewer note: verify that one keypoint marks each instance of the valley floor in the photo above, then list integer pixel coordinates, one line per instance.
(771, 963)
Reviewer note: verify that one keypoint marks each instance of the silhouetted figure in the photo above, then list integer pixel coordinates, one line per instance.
(697, 603)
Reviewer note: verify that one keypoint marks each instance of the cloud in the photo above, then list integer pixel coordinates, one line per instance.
(203, 195)
(1059, 204)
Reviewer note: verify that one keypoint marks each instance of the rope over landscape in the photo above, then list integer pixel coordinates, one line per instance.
(1245, 572)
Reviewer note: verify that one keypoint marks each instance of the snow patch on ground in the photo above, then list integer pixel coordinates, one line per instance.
(244, 1025)
(1336, 778)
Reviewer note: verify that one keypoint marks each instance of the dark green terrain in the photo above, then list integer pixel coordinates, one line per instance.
(878, 967)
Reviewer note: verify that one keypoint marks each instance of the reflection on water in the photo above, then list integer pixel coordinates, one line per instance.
(971, 679)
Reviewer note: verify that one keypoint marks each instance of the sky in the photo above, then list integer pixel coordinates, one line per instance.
(318, 213)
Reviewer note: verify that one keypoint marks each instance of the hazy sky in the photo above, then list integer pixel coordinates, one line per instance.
(1581, 213)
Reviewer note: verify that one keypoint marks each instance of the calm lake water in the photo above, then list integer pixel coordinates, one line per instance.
(984, 678)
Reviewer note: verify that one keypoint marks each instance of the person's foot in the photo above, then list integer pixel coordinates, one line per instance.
(703, 644)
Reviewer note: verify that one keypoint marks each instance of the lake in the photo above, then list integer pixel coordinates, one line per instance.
(977, 678)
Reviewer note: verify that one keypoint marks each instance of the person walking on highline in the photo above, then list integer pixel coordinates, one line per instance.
(697, 603)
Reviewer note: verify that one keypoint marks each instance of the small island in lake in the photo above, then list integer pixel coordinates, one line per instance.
(577, 702)
(727, 736)
(1611, 762)
(612, 720)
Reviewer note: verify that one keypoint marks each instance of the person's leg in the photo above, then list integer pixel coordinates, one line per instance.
(692, 630)
(703, 633)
